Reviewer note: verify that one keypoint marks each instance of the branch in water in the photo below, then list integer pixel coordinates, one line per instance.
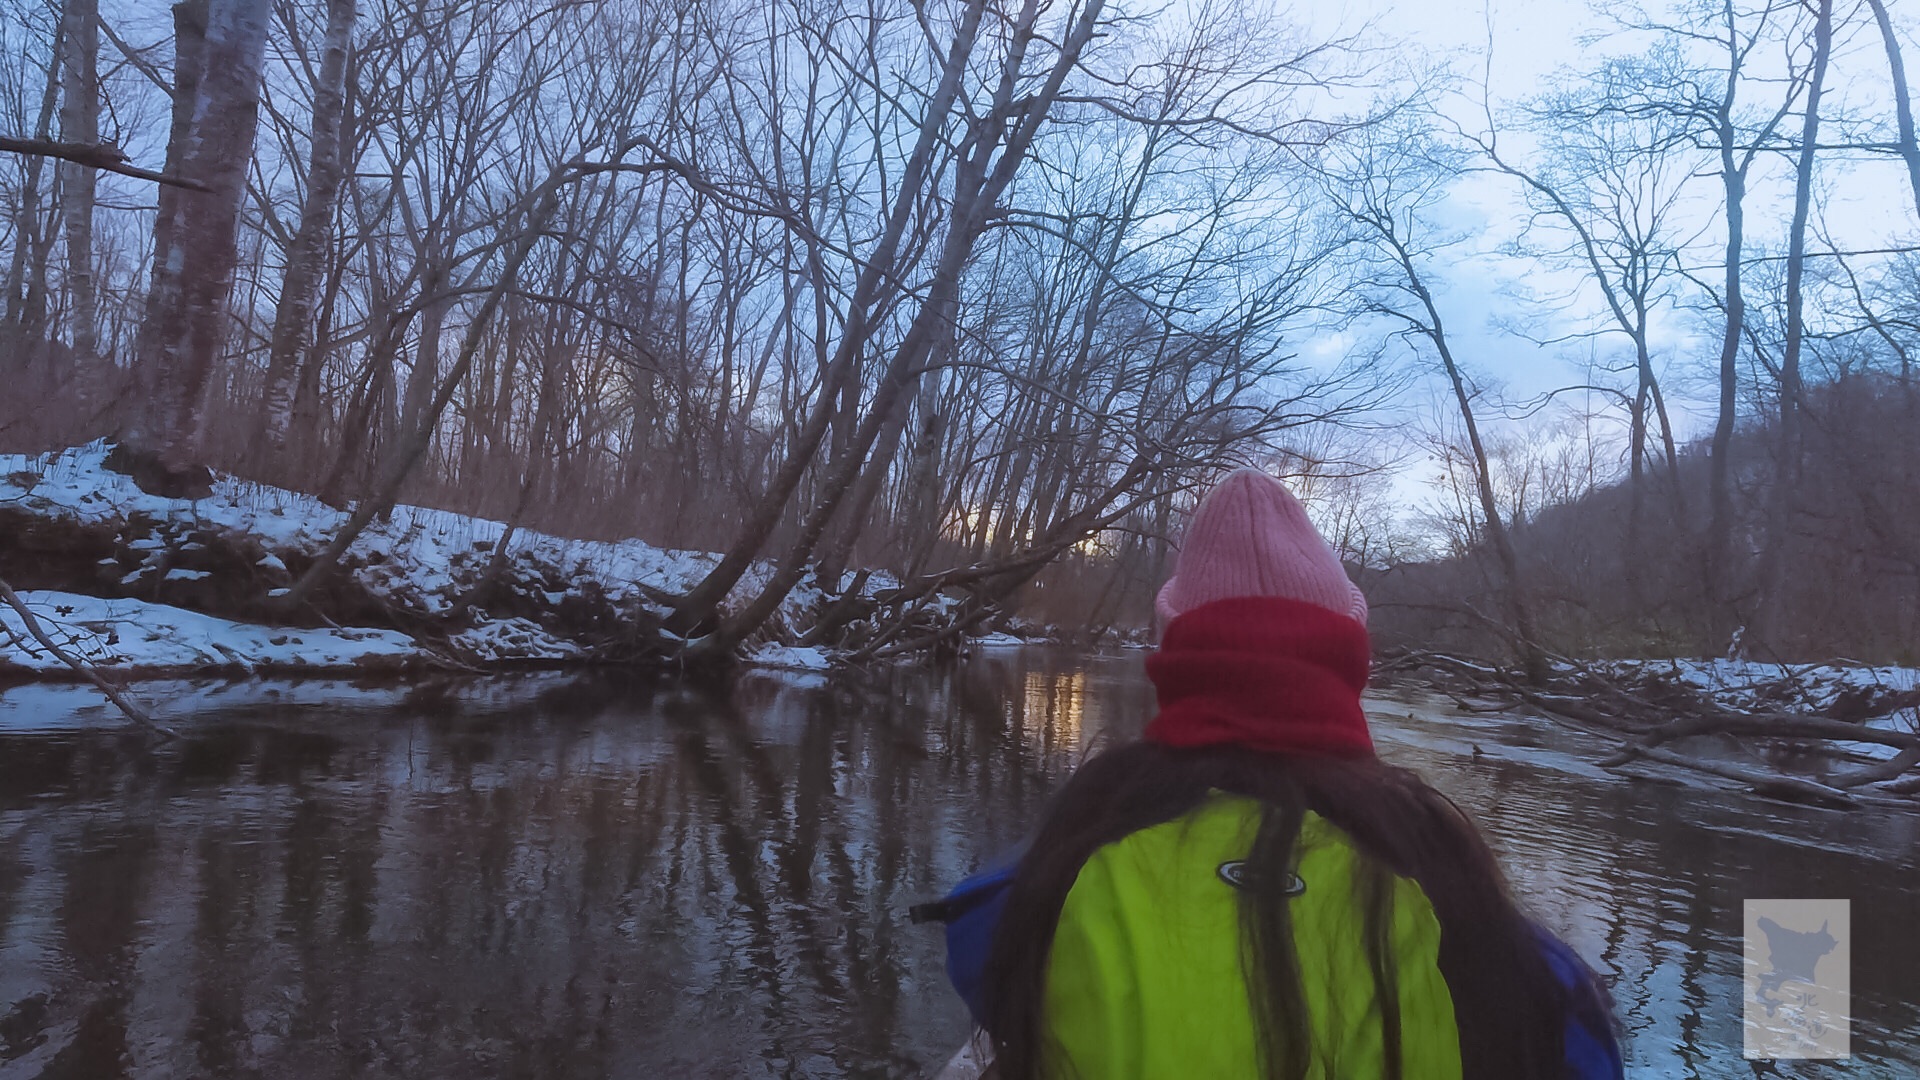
(126, 705)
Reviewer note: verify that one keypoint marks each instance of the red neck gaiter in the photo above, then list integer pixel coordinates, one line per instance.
(1265, 673)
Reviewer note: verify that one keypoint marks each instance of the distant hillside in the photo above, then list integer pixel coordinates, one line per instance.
(1849, 577)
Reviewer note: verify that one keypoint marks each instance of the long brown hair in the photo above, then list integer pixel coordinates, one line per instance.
(1509, 1007)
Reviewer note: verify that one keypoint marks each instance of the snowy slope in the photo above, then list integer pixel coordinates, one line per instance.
(133, 634)
(418, 557)
(418, 563)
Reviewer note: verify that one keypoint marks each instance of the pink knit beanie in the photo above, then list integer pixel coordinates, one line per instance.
(1251, 537)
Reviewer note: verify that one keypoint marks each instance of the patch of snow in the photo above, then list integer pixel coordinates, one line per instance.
(126, 633)
(790, 658)
(1747, 685)
(185, 575)
(60, 707)
(999, 640)
(511, 639)
(1867, 749)
(1908, 722)
(785, 678)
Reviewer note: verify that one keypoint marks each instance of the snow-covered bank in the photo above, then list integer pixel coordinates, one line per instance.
(1876, 698)
(123, 636)
(29, 708)
(1842, 691)
(423, 561)
(147, 585)
(1841, 735)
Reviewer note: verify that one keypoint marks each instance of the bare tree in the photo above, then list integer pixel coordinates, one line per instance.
(1610, 180)
(220, 46)
(80, 123)
(294, 313)
(1385, 185)
(1737, 147)
(25, 317)
(874, 286)
(1783, 503)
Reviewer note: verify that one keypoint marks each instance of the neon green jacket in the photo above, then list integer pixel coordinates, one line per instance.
(1145, 979)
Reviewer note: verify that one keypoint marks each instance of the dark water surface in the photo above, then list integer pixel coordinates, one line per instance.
(582, 877)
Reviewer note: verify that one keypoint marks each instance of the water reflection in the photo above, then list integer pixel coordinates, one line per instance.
(1648, 880)
(598, 878)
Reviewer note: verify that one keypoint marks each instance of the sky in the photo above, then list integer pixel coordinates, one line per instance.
(1866, 205)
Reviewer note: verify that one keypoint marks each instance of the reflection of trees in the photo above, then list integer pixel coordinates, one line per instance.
(96, 919)
(622, 881)
(1649, 880)
(619, 881)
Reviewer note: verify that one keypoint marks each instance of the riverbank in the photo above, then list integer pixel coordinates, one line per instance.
(143, 586)
(122, 585)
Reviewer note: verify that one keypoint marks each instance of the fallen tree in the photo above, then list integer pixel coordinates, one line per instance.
(1806, 729)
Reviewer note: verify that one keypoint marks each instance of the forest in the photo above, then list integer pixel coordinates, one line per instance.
(941, 313)
(631, 538)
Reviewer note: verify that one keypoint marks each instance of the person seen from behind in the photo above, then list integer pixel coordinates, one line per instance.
(1247, 890)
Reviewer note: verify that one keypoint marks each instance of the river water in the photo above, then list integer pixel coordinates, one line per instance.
(586, 876)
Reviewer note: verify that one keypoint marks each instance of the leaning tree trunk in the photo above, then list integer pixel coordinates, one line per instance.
(220, 49)
(1519, 607)
(1902, 97)
(414, 441)
(694, 610)
(978, 185)
(307, 254)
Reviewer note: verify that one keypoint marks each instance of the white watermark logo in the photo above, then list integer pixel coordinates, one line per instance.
(1797, 978)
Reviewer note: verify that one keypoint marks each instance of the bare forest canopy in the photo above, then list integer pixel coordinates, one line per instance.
(977, 295)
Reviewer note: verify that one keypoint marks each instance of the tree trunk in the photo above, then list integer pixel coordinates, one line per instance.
(1010, 128)
(220, 49)
(424, 375)
(307, 255)
(1902, 97)
(1784, 503)
(1633, 560)
(25, 322)
(1518, 606)
(80, 123)
(920, 503)
(1720, 474)
(832, 564)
